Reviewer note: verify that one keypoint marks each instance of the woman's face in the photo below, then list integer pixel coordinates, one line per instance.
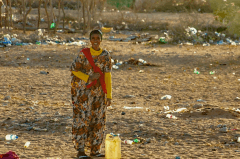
(95, 41)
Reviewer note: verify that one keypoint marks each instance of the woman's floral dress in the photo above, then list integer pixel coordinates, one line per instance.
(89, 104)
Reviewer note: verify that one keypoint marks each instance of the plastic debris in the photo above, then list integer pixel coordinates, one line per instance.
(115, 67)
(179, 110)
(166, 97)
(196, 71)
(39, 129)
(201, 100)
(11, 137)
(129, 96)
(53, 25)
(238, 140)
(224, 129)
(125, 107)
(165, 108)
(171, 116)
(27, 144)
(162, 40)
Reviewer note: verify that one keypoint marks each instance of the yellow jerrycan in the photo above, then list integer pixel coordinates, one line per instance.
(112, 146)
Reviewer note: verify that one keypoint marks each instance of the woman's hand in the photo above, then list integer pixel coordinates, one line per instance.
(93, 77)
(108, 102)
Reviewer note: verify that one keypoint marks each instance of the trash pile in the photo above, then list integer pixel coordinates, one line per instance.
(137, 38)
(195, 36)
(38, 38)
(132, 61)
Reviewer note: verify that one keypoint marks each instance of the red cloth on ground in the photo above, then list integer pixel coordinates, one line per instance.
(9, 155)
(96, 69)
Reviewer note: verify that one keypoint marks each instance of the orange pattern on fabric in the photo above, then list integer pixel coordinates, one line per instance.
(89, 105)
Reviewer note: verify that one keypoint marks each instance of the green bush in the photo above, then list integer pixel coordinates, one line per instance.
(228, 12)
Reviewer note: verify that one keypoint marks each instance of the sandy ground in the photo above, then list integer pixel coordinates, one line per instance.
(43, 101)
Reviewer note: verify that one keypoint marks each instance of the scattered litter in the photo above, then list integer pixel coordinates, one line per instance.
(39, 129)
(165, 108)
(115, 67)
(141, 71)
(198, 106)
(212, 72)
(129, 142)
(44, 72)
(201, 100)
(7, 98)
(196, 71)
(224, 129)
(27, 144)
(125, 107)
(238, 140)
(80, 43)
(171, 116)
(180, 110)
(129, 96)
(11, 137)
(166, 97)
(148, 110)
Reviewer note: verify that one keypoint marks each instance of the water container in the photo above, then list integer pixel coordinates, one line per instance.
(112, 147)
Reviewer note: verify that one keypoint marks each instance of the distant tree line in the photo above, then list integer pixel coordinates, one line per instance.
(86, 8)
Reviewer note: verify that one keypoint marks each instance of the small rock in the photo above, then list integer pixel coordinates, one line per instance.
(148, 140)
(219, 126)
(176, 143)
(186, 134)
(44, 72)
(198, 106)
(29, 128)
(224, 129)
(123, 113)
(57, 113)
(42, 93)
(7, 98)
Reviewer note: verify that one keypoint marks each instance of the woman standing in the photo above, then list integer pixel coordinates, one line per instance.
(91, 94)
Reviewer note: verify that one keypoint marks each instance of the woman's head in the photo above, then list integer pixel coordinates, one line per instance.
(95, 39)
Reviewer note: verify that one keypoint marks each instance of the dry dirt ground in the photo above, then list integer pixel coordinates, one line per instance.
(43, 101)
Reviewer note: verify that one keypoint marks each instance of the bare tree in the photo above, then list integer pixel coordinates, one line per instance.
(39, 12)
(45, 6)
(62, 6)
(10, 11)
(1, 4)
(25, 14)
(59, 13)
(78, 8)
(6, 15)
(84, 18)
(51, 17)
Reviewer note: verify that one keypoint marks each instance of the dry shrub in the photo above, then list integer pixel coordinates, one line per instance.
(174, 6)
